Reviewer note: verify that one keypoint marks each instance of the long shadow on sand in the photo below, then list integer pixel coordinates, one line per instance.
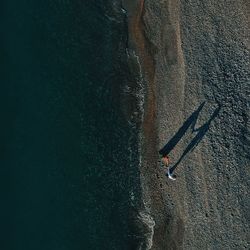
(190, 122)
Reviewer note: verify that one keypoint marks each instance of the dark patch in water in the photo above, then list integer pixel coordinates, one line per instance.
(70, 155)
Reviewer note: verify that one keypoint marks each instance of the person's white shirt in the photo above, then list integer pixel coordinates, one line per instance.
(170, 175)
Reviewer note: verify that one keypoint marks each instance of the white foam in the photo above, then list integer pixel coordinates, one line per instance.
(149, 222)
(144, 216)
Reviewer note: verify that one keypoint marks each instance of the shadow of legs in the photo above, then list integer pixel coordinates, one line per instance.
(191, 121)
(196, 140)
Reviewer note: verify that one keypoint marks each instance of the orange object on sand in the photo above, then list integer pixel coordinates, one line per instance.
(165, 159)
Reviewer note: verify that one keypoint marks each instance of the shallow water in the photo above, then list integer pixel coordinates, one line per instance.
(68, 152)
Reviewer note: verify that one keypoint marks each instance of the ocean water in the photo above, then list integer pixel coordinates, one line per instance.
(68, 152)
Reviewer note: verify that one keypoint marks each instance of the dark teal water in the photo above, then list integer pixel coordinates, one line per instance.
(64, 139)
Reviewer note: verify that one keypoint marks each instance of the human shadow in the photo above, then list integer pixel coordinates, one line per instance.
(190, 122)
(196, 140)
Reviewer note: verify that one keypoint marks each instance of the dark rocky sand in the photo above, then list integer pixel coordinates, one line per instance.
(194, 56)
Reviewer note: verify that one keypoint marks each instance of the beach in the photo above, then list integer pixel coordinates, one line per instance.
(94, 93)
(194, 59)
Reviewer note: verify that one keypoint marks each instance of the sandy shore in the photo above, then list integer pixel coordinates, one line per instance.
(153, 178)
(192, 53)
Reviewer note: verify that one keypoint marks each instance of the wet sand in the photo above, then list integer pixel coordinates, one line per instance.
(152, 174)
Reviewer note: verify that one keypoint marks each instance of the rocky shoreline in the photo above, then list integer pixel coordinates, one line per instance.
(167, 223)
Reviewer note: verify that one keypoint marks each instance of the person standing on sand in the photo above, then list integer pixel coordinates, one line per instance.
(165, 160)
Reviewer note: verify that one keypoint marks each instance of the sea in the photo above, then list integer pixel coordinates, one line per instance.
(69, 127)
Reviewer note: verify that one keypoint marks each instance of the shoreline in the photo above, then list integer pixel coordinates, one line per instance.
(149, 169)
(168, 228)
(136, 45)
